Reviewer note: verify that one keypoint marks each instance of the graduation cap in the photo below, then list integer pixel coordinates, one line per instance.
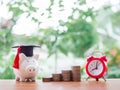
(26, 49)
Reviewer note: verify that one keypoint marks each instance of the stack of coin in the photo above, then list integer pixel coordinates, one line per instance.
(47, 79)
(66, 75)
(76, 73)
(57, 77)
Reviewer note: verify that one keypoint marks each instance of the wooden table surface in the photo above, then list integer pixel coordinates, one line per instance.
(110, 84)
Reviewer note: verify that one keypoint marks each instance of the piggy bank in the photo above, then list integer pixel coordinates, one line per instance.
(28, 68)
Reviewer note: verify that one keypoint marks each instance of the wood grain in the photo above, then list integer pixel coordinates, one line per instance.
(110, 84)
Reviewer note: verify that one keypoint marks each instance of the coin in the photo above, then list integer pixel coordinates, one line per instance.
(76, 73)
(46, 79)
(57, 77)
(66, 75)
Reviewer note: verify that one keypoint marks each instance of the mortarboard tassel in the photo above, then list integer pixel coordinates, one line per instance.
(16, 60)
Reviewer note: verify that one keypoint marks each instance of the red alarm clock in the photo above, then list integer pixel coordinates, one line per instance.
(96, 67)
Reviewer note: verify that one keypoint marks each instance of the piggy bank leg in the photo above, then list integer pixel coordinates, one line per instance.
(17, 78)
(33, 79)
(16, 72)
(22, 79)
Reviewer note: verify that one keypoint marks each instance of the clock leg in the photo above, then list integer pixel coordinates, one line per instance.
(97, 79)
(104, 79)
(87, 78)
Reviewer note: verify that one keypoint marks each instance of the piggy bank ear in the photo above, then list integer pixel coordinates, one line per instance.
(36, 56)
(22, 57)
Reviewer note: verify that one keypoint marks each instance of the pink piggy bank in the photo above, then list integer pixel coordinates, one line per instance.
(28, 68)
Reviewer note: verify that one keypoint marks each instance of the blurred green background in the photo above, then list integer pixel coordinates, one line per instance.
(67, 30)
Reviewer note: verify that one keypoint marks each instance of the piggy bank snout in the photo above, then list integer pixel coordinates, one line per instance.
(31, 69)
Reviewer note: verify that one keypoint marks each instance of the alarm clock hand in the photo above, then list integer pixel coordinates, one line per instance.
(97, 65)
(93, 69)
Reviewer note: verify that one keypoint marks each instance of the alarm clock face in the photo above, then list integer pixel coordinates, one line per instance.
(95, 67)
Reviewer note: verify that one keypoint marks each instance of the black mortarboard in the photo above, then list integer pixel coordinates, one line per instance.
(26, 49)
